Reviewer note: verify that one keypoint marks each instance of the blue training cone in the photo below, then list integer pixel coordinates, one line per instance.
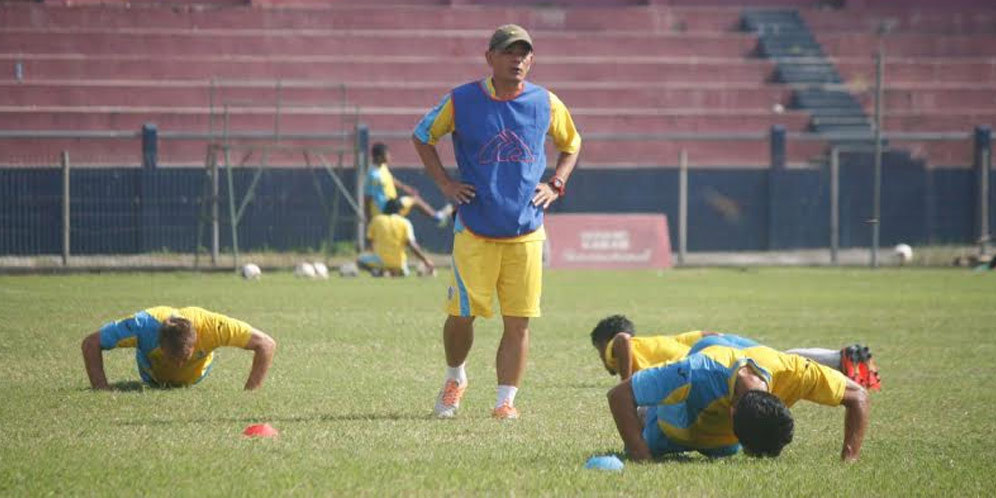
(607, 462)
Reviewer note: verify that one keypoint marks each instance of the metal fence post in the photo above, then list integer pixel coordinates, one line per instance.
(150, 146)
(362, 160)
(983, 162)
(682, 206)
(877, 182)
(834, 206)
(65, 208)
(778, 161)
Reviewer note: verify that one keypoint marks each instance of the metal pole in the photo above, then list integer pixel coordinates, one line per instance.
(682, 206)
(361, 144)
(877, 188)
(65, 208)
(834, 206)
(984, 204)
(215, 222)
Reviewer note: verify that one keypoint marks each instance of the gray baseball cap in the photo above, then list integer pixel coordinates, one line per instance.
(508, 34)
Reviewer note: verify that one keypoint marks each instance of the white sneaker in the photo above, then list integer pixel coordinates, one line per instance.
(448, 400)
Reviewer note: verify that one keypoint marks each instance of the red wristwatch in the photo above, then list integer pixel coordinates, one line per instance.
(557, 184)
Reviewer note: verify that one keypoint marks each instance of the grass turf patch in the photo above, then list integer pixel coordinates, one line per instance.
(359, 362)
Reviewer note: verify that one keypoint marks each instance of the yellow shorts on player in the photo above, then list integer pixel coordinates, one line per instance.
(482, 268)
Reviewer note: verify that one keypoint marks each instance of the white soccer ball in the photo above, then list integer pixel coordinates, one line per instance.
(304, 270)
(778, 109)
(903, 253)
(321, 271)
(251, 271)
(349, 270)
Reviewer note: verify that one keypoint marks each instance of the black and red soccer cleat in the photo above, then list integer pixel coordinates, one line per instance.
(857, 364)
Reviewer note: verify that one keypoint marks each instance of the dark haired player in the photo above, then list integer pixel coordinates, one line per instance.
(722, 397)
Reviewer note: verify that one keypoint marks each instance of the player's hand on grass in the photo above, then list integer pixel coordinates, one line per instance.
(462, 193)
(545, 195)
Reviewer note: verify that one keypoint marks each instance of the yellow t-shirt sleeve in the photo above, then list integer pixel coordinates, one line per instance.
(822, 384)
(217, 330)
(436, 123)
(562, 130)
(689, 338)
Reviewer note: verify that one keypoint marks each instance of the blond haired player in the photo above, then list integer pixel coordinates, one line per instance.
(174, 347)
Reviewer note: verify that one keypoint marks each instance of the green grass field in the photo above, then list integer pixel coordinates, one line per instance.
(359, 362)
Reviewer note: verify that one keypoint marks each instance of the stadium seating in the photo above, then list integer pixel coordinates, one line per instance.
(940, 71)
(624, 67)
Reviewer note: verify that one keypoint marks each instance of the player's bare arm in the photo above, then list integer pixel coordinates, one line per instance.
(621, 349)
(462, 193)
(855, 420)
(545, 194)
(263, 346)
(420, 254)
(623, 407)
(93, 360)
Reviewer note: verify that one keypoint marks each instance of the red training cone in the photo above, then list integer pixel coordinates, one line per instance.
(260, 430)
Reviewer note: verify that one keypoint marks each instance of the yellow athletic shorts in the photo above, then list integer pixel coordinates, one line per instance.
(482, 266)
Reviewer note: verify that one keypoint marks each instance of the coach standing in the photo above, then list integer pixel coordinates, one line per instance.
(499, 127)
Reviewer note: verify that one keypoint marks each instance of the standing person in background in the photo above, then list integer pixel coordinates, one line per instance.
(382, 187)
(499, 126)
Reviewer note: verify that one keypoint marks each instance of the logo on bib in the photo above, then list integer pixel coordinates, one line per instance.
(505, 147)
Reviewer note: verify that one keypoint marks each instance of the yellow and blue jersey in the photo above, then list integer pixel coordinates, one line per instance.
(380, 188)
(502, 155)
(390, 235)
(648, 351)
(141, 331)
(690, 399)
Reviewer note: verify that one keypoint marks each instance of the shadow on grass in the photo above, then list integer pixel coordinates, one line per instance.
(347, 417)
(675, 458)
(136, 386)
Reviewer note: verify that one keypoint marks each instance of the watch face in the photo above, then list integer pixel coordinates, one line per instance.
(557, 182)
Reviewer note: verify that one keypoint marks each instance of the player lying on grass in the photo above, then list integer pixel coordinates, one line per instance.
(723, 395)
(175, 347)
(390, 234)
(624, 353)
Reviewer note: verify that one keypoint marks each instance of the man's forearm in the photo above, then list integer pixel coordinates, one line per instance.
(263, 350)
(93, 360)
(565, 165)
(623, 407)
(855, 422)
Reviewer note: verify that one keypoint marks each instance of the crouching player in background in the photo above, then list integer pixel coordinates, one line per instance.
(624, 353)
(389, 234)
(175, 347)
(722, 396)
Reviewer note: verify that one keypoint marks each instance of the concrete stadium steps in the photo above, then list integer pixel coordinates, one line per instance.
(937, 99)
(909, 45)
(920, 71)
(386, 42)
(316, 120)
(360, 16)
(948, 20)
(939, 121)
(410, 94)
(377, 68)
